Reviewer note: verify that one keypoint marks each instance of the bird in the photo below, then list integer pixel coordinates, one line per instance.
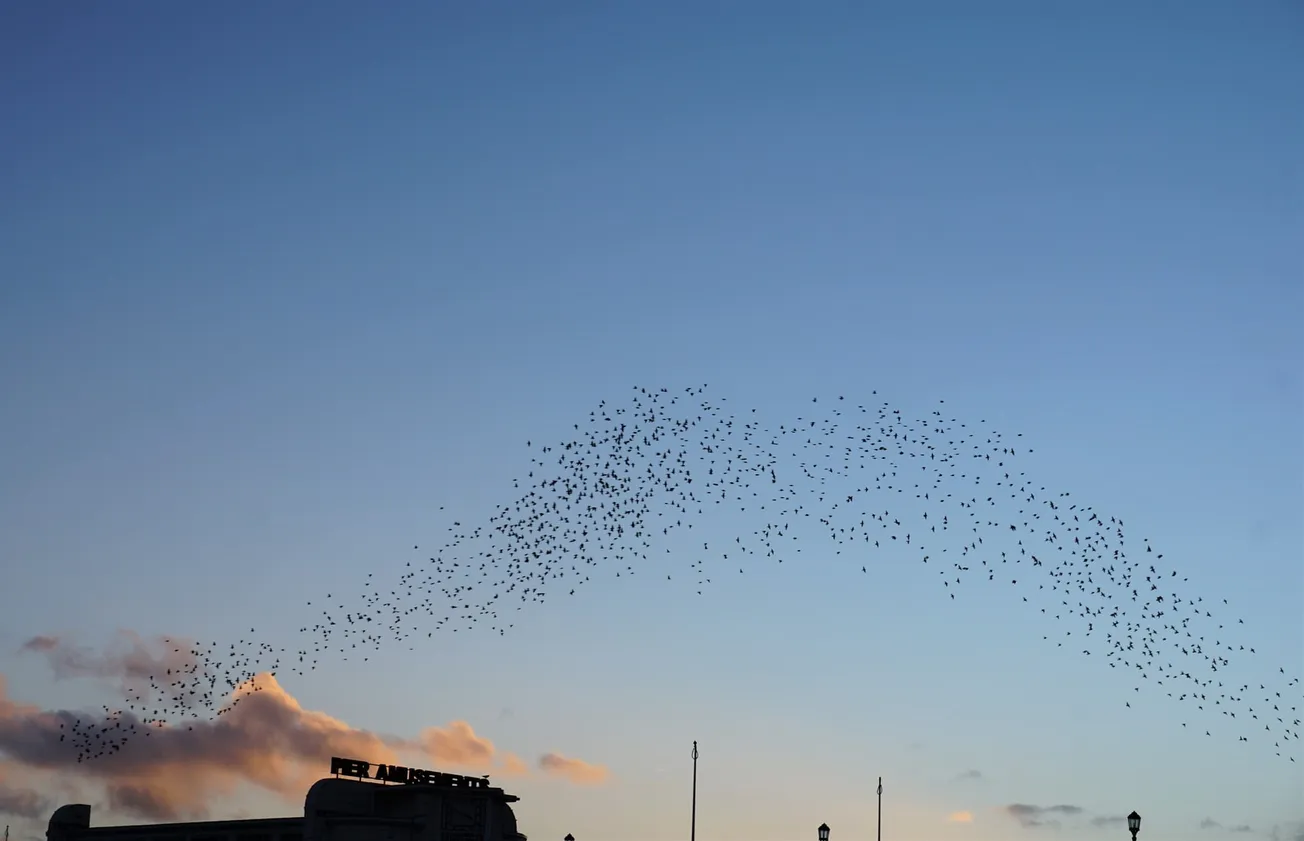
(861, 481)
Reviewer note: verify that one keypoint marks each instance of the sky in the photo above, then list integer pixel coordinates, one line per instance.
(279, 281)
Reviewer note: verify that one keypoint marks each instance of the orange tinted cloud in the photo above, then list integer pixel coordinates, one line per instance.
(457, 744)
(960, 817)
(513, 766)
(19, 800)
(575, 770)
(268, 740)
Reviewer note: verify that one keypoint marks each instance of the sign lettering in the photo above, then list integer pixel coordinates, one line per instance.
(341, 767)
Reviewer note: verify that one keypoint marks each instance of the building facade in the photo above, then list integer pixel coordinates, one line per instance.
(391, 804)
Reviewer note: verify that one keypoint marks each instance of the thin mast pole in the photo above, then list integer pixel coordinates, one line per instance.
(693, 827)
(880, 809)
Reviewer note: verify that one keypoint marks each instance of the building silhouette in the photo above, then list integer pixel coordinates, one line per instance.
(422, 806)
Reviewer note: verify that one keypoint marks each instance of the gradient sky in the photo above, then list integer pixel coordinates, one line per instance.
(279, 280)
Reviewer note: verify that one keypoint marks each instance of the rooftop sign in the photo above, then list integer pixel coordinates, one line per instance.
(398, 774)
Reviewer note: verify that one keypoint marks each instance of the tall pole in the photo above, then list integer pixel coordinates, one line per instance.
(693, 826)
(880, 809)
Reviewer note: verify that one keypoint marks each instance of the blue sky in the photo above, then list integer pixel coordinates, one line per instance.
(276, 284)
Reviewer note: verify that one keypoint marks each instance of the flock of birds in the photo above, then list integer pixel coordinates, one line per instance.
(623, 495)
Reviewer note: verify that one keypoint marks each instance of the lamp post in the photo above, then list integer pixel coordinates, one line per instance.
(1134, 824)
(569, 837)
(824, 832)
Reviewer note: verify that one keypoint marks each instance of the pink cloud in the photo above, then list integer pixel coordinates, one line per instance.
(575, 770)
(170, 771)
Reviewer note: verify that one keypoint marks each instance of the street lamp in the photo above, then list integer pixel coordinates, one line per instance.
(1134, 824)
(824, 832)
(568, 837)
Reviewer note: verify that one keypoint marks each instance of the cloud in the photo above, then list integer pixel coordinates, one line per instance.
(575, 770)
(172, 772)
(514, 766)
(1293, 831)
(457, 744)
(19, 801)
(960, 817)
(1210, 823)
(1034, 816)
(1108, 821)
(971, 774)
(134, 662)
(132, 657)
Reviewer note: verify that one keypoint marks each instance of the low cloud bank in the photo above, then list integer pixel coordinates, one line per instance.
(269, 741)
